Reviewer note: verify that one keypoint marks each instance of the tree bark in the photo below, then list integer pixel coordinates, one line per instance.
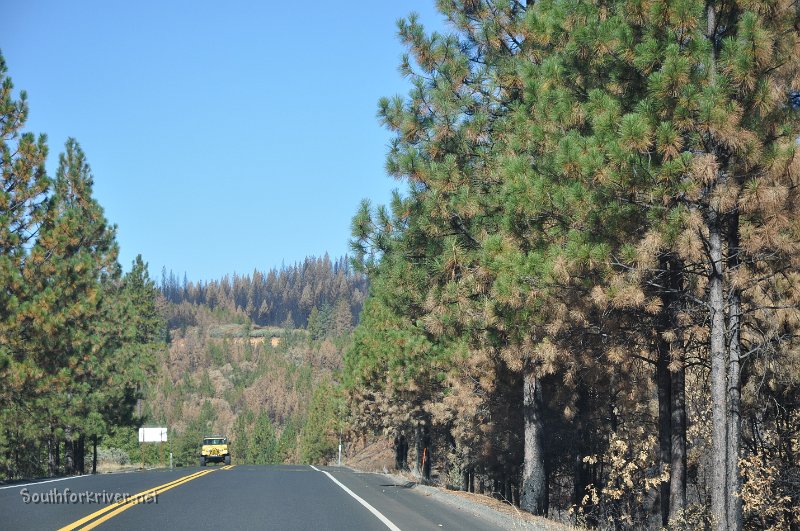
(676, 438)
(404, 456)
(400, 449)
(418, 447)
(94, 454)
(69, 453)
(423, 445)
(52, 452)
(80, 455)
(664, 386)
(734, 388)
(677, 483)
(534, 478)
(719, 381)
(720, 420)
(427, 453)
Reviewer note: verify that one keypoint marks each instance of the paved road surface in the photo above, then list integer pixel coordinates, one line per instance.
(236, 497)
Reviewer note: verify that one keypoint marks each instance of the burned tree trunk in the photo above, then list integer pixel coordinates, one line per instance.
(677, 483)
(664, 386)
(94, 454)
(69, 453)
(400, 452)
(80, 455)
(534, 479)
(719, 380)
(52, 453)
(734, 384)
(422, 437)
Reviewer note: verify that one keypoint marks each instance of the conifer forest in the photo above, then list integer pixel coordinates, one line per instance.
(583, 299)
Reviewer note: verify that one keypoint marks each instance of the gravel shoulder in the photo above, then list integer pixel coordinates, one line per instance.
(494, 511)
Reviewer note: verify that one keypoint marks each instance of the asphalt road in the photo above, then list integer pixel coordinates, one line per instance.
(238, 497)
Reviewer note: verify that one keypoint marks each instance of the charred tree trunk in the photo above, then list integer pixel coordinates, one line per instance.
(677, 483)
(9, 468)
(718, 354)
(423, 445)
(418, 448)
(734, 384)
(94, 454)
(719, 380)
(664, 386)
(80, 455)
(69, 453)
(400, 452)
(52, 453)
(405, 453)
(427, 454)
(670, 386)
(534, 478)
(677, 394)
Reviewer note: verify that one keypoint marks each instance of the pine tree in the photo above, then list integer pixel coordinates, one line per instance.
(579, 197)
(314, 326)
(23, 185)
(669, 132)
(241, 450)
(318, 435)
(264, 445)
(424, 248)
(68, 324)
(74, 254)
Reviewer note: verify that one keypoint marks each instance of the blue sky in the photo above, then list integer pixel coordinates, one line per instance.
(222, 136)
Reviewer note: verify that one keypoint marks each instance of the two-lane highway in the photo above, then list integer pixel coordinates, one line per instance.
(232, 497)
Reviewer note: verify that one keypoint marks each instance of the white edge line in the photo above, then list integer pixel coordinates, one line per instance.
(388, 523)
(43, 482)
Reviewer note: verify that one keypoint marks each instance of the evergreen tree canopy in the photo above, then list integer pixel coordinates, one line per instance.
(597, 224)
(69, 324)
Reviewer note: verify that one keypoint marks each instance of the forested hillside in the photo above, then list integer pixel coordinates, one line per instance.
(273, 390)
(586, 299)
(316, 289)
(78, 339)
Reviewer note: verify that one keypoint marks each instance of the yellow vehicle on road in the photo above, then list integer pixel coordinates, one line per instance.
(215, 450)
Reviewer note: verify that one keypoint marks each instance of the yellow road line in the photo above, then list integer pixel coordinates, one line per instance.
(140, 500)
(227, 467)
(134, 499)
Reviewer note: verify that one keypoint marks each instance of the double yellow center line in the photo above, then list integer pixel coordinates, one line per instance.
(114, 509)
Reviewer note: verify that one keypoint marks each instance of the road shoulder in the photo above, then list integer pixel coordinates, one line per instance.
(508, 518)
